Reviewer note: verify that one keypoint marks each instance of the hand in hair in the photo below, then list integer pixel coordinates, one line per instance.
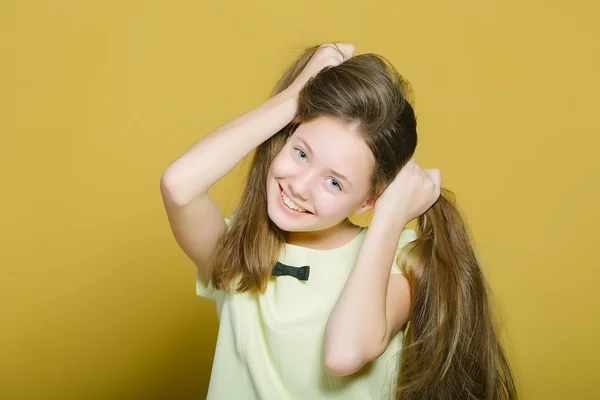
(327, 55)
(411, 193)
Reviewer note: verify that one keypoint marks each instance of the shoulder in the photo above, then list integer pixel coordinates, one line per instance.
(232, 216)
(407, 235)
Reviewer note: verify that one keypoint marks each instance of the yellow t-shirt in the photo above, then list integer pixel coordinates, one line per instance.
(270, 346)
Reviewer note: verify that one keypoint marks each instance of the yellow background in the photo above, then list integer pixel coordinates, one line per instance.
(97, 98)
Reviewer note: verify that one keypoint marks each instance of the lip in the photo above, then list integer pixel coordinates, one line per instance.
(285, 207)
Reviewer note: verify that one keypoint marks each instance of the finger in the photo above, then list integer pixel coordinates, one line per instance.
(410, 165)
(346, 49)
(435, 175)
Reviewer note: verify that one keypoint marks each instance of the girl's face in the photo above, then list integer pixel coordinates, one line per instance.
(320, 177)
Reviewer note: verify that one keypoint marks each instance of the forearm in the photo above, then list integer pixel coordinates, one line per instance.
(357, 325)
(213, 156)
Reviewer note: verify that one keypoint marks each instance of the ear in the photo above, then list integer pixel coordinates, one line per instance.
(366, 206)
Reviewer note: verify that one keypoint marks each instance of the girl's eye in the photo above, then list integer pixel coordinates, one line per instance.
(301, 154)
(336, 184)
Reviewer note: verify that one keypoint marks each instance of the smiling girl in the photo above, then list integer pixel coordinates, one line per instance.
(310, 305)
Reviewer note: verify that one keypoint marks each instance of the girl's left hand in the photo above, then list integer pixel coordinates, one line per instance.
(411, 193)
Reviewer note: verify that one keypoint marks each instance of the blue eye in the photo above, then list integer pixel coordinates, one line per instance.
(301, 154)
(336, 184)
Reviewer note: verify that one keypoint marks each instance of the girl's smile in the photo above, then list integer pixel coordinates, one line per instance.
(289, 205)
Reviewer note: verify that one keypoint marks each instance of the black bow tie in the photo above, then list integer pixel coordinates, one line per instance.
(298, 272)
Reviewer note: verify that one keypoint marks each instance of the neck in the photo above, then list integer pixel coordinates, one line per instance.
(325, 239)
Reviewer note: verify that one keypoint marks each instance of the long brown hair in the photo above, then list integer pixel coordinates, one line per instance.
(452, 349)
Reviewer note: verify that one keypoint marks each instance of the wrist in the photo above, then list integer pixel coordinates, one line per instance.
(393, 220)
(293, 90)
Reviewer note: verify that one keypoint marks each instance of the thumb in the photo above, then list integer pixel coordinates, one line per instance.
(435, 175)
(346, 49)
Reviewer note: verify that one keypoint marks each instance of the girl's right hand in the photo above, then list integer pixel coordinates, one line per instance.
(328, 54)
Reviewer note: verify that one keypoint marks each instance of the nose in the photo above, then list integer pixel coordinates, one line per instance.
(301, 186)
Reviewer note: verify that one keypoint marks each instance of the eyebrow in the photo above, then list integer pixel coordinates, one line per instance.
(339, 175)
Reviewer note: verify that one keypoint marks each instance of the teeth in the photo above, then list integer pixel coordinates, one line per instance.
(291, 204)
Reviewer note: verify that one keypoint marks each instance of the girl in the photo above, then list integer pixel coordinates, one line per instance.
(310, 305)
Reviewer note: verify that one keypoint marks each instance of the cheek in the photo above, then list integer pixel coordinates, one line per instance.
(331, 205)
(282, 167)
(278, 170)
(340, 206)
